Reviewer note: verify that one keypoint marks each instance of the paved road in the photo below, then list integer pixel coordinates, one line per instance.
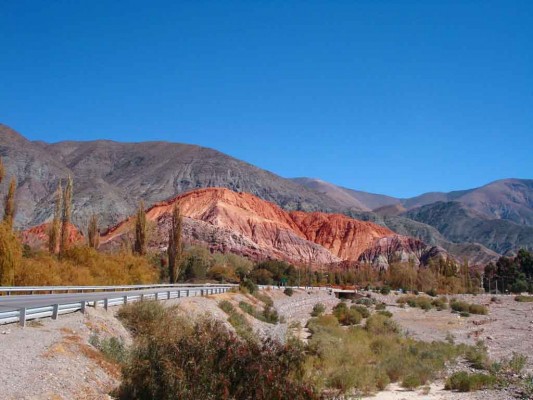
(13, 303)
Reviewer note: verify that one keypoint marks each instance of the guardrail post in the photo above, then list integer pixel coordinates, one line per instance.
(126, 299)
(106, 304)
(179, 294)
(83, 304)
(142, 297)
(201, 292)
(22, 317)
(55, 311)
(156, 296)
(188, 292)
(168, 294)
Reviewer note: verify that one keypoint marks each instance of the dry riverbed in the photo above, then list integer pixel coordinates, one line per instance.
(55, 360)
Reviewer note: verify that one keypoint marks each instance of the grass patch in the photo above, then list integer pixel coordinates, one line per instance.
(365, 359)
(112, 348)
(269, 314)
(524, 299)
(464, 307)
(464, 382)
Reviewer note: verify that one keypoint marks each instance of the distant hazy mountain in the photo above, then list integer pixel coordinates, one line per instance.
(459, 223)
(508, 199)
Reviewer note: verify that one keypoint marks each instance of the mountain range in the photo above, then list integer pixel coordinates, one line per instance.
(111, 178)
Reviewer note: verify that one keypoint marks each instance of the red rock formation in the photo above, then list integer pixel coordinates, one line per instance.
(244, 224)
(345, 237)
(37, 236)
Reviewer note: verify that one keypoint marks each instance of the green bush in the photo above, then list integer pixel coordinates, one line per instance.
(381, 306)
(477, 309)
(524, 299)
(247, 286)
(361, 310)
(365, 301)
(264, 298)
(112, 348)
(380, 324)
(464, 382)
(432, 293)
(385, 313)
(288, 291)
(477, 356)
(385, 290)
(411, 382)
(226, 306)
(318, 309)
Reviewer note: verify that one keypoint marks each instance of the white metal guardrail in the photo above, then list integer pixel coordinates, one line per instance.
(10, 290)
(163, 292)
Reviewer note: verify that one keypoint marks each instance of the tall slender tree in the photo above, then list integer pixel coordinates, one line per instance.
(54, 232)
(139, 246)
(175, 245)
(9, 208)
(66, 217)
(93, 233)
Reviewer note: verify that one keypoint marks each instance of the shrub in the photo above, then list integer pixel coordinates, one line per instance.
(385, 290)
(411, 382)
(247, 286)
(226, 306)
(380, 324)
(141, 318)
(477, 309)
(464, 314)
(524, 299)
(365, 301)
(112, 348)
(361, 310)
(288, 291)
(352, 317)
(464, 382)
(385, 313)
(318, 309)
(264, 298)
(381, 306)
(477, 356)
(202, 360)
(432, 292)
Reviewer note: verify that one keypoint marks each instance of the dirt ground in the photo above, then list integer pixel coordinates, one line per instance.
(507, 328)
(54, 359)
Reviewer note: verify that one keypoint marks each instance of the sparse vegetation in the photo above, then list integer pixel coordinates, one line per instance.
(524, 299)
(470, 308)
(288, 291)
(318, 310)
(464, 382)
(112, 348)
(177, 358)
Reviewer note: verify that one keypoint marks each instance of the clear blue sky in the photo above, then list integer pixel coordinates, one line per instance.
(395, 97)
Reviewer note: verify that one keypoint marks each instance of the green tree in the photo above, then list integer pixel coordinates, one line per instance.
(66, 217)
(54, 230)
(139, 245)
(175, 245)
(9, 209)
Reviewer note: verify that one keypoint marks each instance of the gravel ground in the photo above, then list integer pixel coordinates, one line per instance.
(54, 360)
